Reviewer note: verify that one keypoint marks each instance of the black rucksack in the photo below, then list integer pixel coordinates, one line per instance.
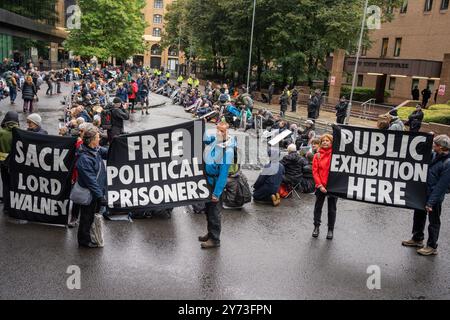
(106, 118)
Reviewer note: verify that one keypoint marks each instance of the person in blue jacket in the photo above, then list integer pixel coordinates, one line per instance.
(91, 175)
(122, 92)
(438, 183)
(218, 158)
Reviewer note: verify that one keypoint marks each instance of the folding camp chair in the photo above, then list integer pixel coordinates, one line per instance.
(294, 190)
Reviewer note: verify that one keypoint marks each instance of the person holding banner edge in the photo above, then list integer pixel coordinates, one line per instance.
(321, 170)
(91, 175)
(217, 164)
(438, 183)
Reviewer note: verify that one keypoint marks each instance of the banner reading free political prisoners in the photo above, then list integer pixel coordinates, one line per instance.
(159, 168)
(40, 177)
(378, 166)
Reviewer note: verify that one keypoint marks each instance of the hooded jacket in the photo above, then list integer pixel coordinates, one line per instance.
(6, 138)
(321, 167)
(218, 160)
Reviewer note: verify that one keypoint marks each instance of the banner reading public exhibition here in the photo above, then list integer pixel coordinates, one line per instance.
(378, 166)
(159, 168)
(41, 172)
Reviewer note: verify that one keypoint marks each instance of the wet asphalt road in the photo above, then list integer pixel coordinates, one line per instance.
(266, 252)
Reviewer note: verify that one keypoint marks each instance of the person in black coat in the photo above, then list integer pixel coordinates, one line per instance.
(283, 104)
(28, 93)
(294, 99)
(118, 115)
(314, 105)
(341, 110)
(415, 119)
(267, 185)
(415, 93)
(426, 95)
(293, 164)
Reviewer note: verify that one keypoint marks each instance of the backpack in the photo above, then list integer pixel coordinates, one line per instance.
(106, 118)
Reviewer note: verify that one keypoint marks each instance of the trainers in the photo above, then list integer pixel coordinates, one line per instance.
(412, 243)
(427, 251)
(210, 244)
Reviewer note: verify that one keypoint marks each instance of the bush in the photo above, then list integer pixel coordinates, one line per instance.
(268, 76)
(361, 94)
(438, 113)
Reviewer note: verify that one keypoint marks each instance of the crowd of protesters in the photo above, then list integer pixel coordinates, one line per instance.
(104, 97)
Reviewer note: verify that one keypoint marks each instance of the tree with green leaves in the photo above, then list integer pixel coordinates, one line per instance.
(109, 28)
(294, 37)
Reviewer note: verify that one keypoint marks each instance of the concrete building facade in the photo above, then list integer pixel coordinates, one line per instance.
(412, 50)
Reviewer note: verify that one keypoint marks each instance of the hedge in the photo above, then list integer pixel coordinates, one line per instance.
(361, 94)
(438, 113)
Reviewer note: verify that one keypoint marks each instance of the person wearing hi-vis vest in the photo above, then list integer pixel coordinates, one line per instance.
(168, 75)
(190, 82)
(180, 80)
(218, 159)
(10, 122)
(196, 83)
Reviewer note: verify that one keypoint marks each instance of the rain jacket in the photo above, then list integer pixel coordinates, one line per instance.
(218, 159)
(438, 180)
(6, 139)
(89, 164)
(321, 167)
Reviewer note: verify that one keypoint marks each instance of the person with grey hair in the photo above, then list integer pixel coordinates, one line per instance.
(438, 183)
(34, 123)
(92, 176)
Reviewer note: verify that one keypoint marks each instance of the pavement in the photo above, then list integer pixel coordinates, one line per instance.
(265, 253)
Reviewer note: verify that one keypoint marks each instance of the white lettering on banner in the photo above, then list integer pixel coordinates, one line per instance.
(361, 141)
(144, 196)
(31, 158)
(42, 184)
(373, 190)
(45, 206)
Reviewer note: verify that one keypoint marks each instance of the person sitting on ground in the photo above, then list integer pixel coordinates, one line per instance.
(306, 136)
(396, 124)
(268, 183)
(293, 164)
(34, 122)
(307, 183)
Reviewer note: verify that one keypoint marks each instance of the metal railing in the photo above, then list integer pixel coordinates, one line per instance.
(367, 107)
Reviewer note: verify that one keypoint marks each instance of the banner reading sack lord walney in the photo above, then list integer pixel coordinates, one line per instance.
(378, 166)
(159, 168)
(40, 177)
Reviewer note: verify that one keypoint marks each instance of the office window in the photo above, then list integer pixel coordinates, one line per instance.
(404, 7)
(158, 4)
(364, 51)
(156, 32)
(360, 80)
(444, 4)
(391, 83)
(384, 47)
(157, 18)
(428, 5)
(398, 47)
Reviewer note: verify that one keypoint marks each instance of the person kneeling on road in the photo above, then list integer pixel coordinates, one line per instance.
(267, 185)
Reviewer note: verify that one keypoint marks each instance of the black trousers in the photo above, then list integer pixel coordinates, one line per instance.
(213, 218)
(340, 119)
(294, 106)
(332, 202)
(87, 214)
(6, 183)
(312, 114)
(420, 219)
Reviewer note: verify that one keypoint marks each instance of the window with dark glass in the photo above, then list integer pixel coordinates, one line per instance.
(364, 51)
(360, 80)
(157, 18)
(398, 47)
(391, 83)
(384, 47)
(444, 4)
(156, 50)
(156, 32)
(428, 5)
(158, 4)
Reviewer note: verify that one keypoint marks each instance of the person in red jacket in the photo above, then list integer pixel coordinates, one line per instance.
(321, 169)
(132, 94)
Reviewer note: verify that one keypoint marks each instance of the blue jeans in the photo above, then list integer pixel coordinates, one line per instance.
(12, 93)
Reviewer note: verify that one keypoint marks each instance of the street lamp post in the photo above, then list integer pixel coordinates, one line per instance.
(355, 74)
(251, 47)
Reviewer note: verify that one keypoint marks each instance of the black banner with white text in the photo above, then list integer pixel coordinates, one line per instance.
(158, 168)
(378, 166)
(41, 171)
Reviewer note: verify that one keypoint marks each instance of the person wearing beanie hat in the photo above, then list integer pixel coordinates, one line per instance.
(34, 123)
(438, 183)
(10, 122)
(119, 113)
